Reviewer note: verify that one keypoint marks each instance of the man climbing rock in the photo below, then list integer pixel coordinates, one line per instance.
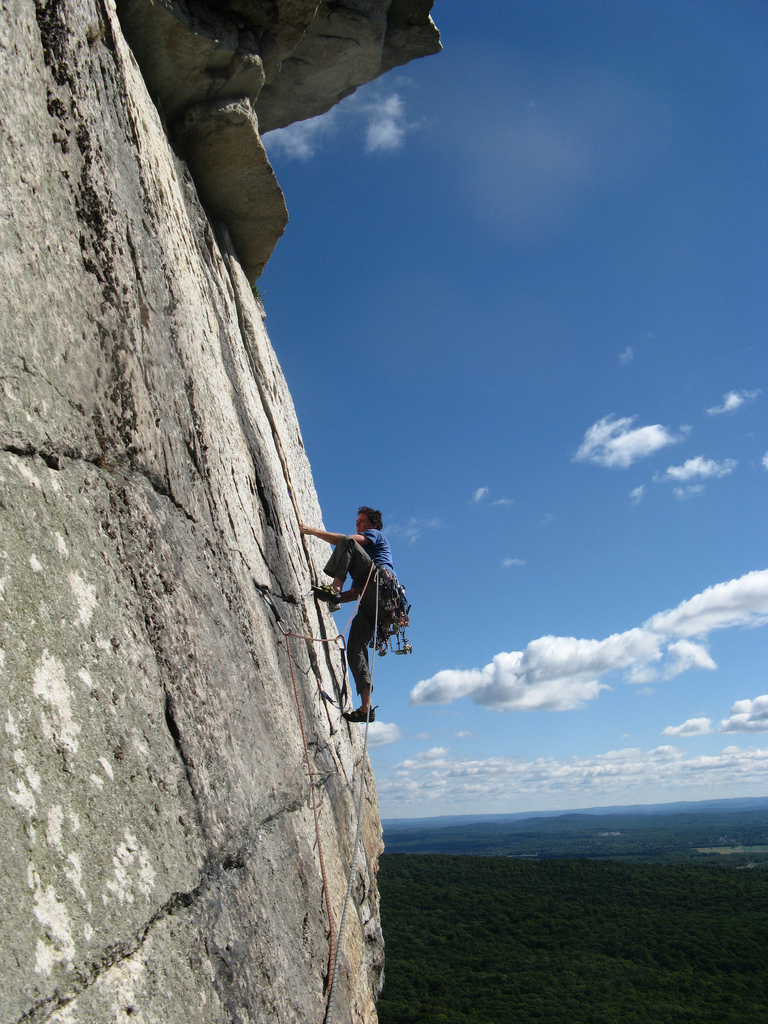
(354, 556)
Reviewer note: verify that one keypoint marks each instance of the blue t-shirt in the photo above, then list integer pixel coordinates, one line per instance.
(378, 549)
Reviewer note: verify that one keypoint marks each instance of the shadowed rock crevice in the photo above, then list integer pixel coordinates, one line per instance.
(173, 729)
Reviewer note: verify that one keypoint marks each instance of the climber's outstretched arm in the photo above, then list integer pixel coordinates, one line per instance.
(332, 538)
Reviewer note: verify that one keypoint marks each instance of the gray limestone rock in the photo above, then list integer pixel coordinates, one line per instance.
(340, 51)
(160, 857)
(411, 33)
(234, 177)
(278, 24)
(220, 70)
(345, 45)
(190, 54)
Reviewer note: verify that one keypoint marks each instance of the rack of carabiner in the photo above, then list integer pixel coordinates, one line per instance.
(394, 629)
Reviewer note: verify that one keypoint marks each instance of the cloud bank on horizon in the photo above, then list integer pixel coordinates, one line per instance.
(439, 779)
(563, 673)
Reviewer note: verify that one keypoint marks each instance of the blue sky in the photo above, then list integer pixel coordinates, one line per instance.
(521, 306)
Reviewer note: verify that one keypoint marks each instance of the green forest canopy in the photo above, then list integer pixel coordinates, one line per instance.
(493, 940)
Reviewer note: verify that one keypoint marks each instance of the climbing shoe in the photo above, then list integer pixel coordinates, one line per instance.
(327, 593)
(360, 716)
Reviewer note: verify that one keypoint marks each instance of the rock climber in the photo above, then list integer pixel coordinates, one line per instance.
(353, 555)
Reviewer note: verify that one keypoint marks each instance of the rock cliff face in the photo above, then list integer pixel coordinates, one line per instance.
(159, 850)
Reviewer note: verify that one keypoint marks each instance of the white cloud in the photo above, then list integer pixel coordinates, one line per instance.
(685, 492)
(627, 355)
(765, 460)
(386, 123)
(423, 736)
(693, 727)
(508, 562)
(614, 444)
(552, 674)
(637, 494)
(302, 139)
(502, 502)
(441, 783)
(557, 673)
(465, 734)
(479, 494)
(427, 758)
(383, 117)
(413, 529)
(699, 467)
(748, 716)
(740, 602)
(382, 733)
(684, 655)
(732, 400)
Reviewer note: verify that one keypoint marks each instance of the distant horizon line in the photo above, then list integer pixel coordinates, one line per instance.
(653, 808)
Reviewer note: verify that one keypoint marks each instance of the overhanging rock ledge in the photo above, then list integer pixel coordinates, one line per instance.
(207, 61)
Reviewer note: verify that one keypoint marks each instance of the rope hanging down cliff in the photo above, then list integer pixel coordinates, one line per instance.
(334, 973)
(334, 952)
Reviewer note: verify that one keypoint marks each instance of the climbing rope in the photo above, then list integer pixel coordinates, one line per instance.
(326, 889)
(331, 997)
(334, 951)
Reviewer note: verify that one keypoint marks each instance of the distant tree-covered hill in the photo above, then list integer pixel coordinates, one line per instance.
(695, 834)
(493, 940)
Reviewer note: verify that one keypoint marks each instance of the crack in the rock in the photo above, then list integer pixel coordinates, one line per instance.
(290, 808)
(32, 372)
(186, 760)
(113, 463)
(87, 974)
(284, 624)
(258, 544)
(270, 597)
(163, 489)
(50, 456)
(258, 378)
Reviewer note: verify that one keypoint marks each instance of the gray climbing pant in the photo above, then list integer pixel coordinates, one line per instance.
(349, 559)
